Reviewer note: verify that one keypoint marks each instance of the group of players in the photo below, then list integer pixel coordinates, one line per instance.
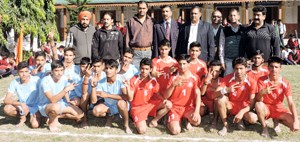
(184, 88)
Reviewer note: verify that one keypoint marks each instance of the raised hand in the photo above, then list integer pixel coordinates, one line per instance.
(268, 90)
(233, 87)
(89, 71)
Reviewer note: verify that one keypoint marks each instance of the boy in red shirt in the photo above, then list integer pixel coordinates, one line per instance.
(163, 66)
(208, 86)
(184, 94)
(272, 89)
(197, 66)
(140, 91)
(236, 94)
(257, 69)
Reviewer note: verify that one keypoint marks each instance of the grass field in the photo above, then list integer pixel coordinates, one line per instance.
(96, 131)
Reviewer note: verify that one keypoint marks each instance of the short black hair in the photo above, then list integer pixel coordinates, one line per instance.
(260, 8)
(22, 65)
(257, 52)
(146, 61)
(183, 57)
(130, 51)
(85, 61)
(165, 6)
(142, 1)
(112, 63)
(109, 14)
(39, 53)
(275, 59)
(195, 44)
(165, 42)
(69, 49)
(234, 9)
(61, 46)
(240, 60)
(196, 7)
(56, 64)
(97, 60)
(215, 63)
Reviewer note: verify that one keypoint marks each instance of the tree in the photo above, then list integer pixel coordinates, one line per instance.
(74, 11)
(37, 17)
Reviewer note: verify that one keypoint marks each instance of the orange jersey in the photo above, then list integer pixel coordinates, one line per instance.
(143, 90)
(277, 95)
(241, 94)
(183, 95)
(198, 68)
(162, 66)
(256, 75)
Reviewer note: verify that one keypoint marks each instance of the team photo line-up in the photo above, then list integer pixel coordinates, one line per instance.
(174, 72)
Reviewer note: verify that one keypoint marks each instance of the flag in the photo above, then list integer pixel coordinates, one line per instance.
(20, 47)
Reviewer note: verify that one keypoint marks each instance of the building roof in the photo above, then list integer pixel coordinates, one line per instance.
(117, 3)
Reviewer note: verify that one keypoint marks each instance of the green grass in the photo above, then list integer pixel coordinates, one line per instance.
(252, 132)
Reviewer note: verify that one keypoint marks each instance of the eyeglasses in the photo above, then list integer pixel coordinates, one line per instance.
(216, 16)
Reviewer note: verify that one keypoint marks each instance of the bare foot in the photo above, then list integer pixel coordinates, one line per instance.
(153, 124)
(84, 125)
(22, 121)
(277, 129)
(128, 130)
(241, 125)
(223, 132)
(276, 126)
(189, 127)
(108, 123)
(54, 129)
(212, 127)
(265, 132)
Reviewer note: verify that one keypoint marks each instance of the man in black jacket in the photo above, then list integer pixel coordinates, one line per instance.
(108, 41)
(200, 31)
(260, 36)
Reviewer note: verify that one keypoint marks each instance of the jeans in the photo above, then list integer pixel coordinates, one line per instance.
(139, 55)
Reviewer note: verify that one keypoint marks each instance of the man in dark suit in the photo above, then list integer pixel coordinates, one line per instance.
(168, 29)
(200, 31)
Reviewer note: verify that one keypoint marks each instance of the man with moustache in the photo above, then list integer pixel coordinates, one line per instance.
(139, 36)
(108, 41)
(260, 36)
(200, 31)
(168, 29)
(80, 36)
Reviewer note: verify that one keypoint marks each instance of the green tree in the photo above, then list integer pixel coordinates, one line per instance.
(36, 16)
(74, 11)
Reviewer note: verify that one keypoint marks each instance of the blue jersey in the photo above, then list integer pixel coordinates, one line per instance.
(43, 73)
(27, 93)
(131, 72)
(115, 89)
(48, 84)
(73, 73)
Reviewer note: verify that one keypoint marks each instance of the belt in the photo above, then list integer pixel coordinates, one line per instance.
(142, 48)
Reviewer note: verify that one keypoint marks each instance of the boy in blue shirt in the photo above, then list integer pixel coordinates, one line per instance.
(54, 97)
(113, 94)
(41, 69)
(25, 87)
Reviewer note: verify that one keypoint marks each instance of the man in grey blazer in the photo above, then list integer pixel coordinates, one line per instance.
(168, 29)
(200, 31)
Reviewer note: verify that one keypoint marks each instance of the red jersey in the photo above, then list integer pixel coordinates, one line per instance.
(243, 93)
(162, 66)
(277, 95)
(198, 68)
(183, 95)
(256, 75)
(209, 89)
(142, 90)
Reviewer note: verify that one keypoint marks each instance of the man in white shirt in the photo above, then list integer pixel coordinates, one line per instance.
(282, 31)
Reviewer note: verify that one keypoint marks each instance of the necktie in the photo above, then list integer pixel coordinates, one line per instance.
(167, 30)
